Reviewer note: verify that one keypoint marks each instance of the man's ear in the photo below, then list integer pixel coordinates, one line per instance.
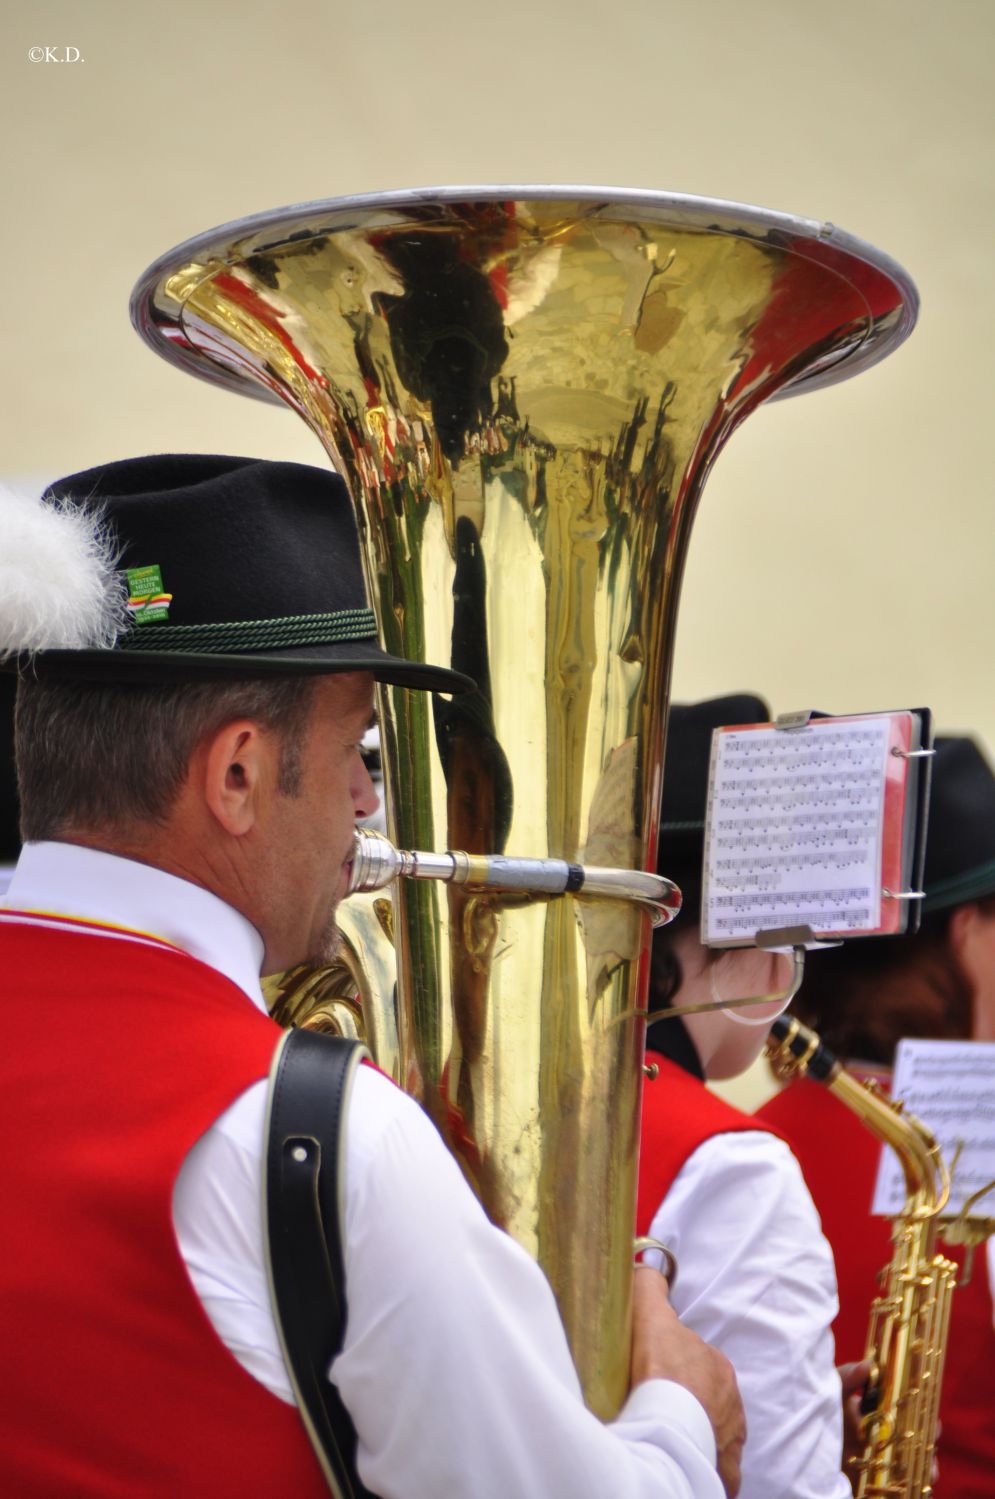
(239, 769)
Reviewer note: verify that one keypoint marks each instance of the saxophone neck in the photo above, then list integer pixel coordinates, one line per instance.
(795, 1051)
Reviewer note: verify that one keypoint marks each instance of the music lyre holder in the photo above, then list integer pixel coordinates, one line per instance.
(967, 1228)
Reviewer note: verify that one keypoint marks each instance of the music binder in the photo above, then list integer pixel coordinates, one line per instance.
(816, 821)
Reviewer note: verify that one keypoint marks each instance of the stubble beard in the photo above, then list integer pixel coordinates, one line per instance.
(328, 944)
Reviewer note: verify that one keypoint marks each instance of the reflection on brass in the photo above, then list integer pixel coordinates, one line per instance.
(479, 930)
(316, 999)
(612, 929)
(525, 390)
(384, 913)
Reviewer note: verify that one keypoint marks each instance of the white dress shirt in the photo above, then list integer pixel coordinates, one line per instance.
(455, 1367)
(756, 1278)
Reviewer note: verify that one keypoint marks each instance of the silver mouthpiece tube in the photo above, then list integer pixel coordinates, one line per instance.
(376, 863)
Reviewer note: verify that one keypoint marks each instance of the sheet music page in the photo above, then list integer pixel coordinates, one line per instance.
(950, 1086)
(794, 833)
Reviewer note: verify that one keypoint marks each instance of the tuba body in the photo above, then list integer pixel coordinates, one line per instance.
(525, 390)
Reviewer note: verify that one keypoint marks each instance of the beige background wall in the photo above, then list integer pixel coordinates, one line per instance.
(844, 552)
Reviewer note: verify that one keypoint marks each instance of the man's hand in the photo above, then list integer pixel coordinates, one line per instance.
(853, 1378)
(662, 1348)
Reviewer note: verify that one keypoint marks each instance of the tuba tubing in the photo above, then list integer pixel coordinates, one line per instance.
(376, 863)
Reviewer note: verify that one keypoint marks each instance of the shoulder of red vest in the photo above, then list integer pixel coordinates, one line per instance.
(680, 1112)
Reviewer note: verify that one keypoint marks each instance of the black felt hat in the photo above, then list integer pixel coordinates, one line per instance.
(685, 786)
(236, 568)
(960, 837)
(10, 838)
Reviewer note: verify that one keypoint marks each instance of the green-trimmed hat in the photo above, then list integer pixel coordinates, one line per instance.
(232, 568)
(960, 837)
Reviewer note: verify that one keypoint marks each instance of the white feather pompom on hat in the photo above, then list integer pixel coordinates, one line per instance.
(59, 588)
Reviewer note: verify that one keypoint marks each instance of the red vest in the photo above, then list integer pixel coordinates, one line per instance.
(839, 1157)
(116, 1057)
(679, 1114)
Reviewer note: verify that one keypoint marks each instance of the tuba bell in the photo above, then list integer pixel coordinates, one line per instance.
(524, 390)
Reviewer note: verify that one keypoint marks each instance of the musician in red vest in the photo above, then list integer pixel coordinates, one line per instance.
(755, 1274)
(862, 998)
(197, 661)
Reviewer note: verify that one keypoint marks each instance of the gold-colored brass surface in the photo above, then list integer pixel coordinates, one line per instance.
(910, 1319)
(525, 391)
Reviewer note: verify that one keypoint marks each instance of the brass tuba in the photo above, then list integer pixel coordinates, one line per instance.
(525, 390)
(910, 1319)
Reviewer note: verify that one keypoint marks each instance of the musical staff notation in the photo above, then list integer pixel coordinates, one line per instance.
(794, 832)
(950, 1086)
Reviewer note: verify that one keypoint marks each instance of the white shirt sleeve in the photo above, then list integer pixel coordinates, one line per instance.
(455, 1367)
(756, 1278)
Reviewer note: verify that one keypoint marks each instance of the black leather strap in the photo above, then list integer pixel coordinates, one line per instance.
(309, 1089)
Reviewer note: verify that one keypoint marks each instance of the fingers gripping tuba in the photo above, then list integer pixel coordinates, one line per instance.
(525, 390)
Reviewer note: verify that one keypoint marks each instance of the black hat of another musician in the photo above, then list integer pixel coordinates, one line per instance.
(220, 568)
(685, 786)
(960, 835)
(10, 838)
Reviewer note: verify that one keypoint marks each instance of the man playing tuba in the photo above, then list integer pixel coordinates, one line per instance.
(197, 664)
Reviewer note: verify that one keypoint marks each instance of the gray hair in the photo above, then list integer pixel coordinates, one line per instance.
(103, 755)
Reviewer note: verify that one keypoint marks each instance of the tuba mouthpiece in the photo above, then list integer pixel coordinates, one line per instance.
(375, 862)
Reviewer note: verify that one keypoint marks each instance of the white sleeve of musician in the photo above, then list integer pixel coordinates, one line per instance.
(756, 1278)
(455, 1367)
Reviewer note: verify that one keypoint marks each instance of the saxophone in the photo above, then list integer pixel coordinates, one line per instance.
(909, 1323)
